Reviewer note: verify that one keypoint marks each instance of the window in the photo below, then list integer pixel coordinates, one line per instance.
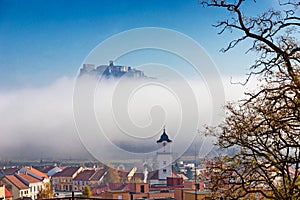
(142, 189)
(164, 162)
(164, 170)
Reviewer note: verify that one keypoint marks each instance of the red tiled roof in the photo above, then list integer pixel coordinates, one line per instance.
(100, 189)
(7, 193)
(117, 186)
(37, 172)
(67, 172)
(15, 181)
(29, 178)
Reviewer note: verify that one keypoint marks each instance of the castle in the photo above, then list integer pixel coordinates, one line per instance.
(110, 71)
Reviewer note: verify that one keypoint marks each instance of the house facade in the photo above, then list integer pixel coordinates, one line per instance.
(63, 181)
(17, 188)
(91, 177)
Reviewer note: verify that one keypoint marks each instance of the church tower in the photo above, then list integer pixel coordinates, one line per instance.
(164, 157)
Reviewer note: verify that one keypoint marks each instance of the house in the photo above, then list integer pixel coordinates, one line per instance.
(4, 193)
(116, 194)
(199, 195)
(35, 173)
(16, 187)
(63, 180)
(50, 170)
(133, 191)
(30, 177)
(83, 179)
(97, 177)
(35, 185)
(26, 170)
(9, 171)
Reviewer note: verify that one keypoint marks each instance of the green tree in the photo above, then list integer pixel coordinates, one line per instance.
(46, 193)
(264, 128)
(87, 192)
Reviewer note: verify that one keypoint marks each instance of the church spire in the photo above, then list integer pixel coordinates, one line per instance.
(164, 137)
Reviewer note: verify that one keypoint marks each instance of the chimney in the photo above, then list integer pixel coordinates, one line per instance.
(145, 175)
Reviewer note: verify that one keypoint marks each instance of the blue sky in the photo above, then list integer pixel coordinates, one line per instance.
(41, 41)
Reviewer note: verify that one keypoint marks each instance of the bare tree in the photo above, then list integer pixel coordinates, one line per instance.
(274, 33)
(265, 127)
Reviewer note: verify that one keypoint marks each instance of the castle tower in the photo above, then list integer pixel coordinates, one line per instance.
(164, 157)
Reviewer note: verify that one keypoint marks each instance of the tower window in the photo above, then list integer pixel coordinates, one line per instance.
(165, 162)
(164, 170)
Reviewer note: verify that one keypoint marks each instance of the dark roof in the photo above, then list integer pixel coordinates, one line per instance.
(67, 172)
(138, 175)
(123, 174)
(164, 137)
(85, 175)
(11, 170)
(153, 175)
(98, 174)
(44, 168)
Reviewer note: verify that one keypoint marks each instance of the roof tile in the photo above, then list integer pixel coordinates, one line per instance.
(17, 182)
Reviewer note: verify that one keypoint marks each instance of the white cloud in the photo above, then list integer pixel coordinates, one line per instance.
(39, 122)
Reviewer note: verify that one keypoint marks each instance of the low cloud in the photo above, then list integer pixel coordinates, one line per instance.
(39, 122)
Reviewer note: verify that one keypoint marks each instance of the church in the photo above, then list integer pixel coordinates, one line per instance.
(164, 157)
(163, 161)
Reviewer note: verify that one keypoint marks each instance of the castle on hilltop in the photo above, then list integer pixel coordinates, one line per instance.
(111, 71)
